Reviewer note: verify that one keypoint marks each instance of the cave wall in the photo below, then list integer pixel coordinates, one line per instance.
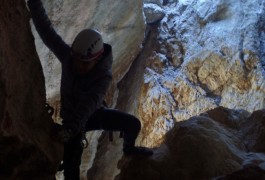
(27, 148)
(201, 55)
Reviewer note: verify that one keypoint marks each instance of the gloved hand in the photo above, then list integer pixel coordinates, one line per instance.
(62, 133)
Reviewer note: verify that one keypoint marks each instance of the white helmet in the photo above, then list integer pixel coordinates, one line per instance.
(88, 43)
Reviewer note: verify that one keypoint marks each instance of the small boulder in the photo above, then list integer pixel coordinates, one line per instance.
(153, 13)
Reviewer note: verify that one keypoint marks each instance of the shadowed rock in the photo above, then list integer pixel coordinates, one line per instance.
(27, 148)
(203, 147)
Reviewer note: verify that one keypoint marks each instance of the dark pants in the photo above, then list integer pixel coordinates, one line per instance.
(106, 119)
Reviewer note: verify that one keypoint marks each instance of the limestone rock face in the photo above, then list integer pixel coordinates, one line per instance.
(120, 22)
(28, 150)
(203, 147)
(202, 55)
(153, 13)
(208, 54)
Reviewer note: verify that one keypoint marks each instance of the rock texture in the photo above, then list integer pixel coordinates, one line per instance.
(203, 54)
(211, 145)
(207, 54)
(153, 13)
(27, 148)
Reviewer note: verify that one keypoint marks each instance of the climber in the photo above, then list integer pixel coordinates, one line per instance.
(86, 76)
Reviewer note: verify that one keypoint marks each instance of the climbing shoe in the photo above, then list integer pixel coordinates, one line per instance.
(142, 151)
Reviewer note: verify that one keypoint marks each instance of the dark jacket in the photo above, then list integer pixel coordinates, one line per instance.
(81, 96)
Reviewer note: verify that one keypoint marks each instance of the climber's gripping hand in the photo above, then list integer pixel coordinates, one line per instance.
(62, 133)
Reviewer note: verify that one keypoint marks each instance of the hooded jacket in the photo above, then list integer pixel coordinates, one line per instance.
(81, 96)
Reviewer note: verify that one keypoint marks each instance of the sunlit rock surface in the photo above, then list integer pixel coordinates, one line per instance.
(153, 13)
(28, 150)
(219, 142)
(207, 54)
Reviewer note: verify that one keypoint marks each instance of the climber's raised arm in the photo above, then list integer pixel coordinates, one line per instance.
(46, 31)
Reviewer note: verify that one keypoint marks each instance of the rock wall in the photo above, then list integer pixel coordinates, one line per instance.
(28, 150)
(207, 54)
